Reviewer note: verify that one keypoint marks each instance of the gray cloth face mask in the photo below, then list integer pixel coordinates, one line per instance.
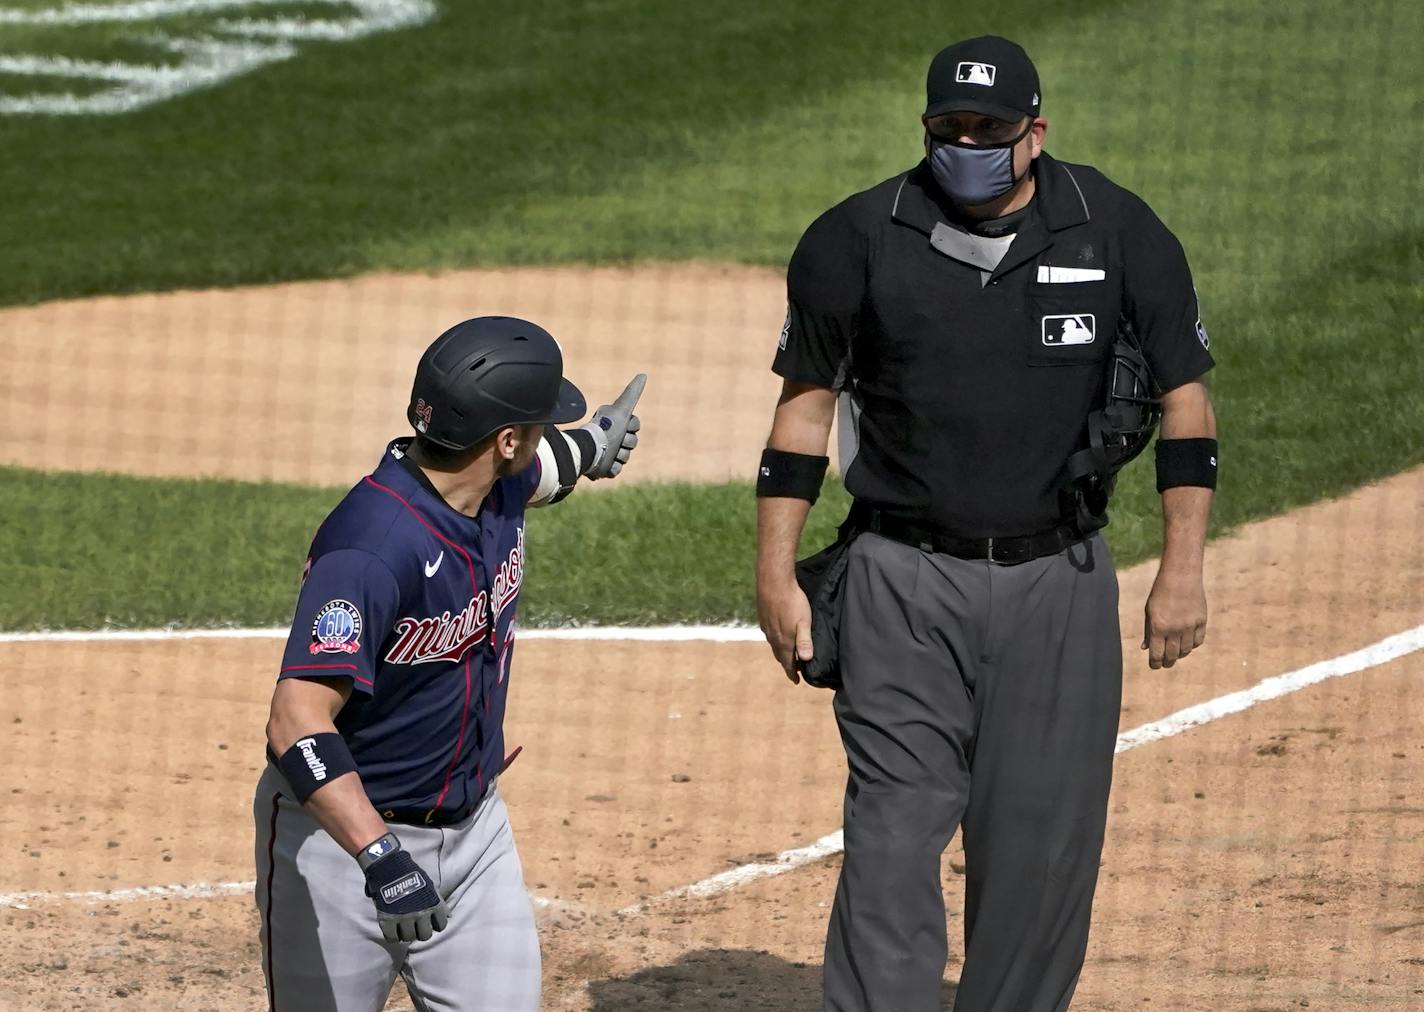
(973, 174)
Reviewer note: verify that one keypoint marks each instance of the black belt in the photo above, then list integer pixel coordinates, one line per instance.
(428, 816)
(433, 816)
(440, 817)
(1010, 551)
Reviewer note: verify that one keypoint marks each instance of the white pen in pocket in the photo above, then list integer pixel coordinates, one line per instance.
(1067, 275)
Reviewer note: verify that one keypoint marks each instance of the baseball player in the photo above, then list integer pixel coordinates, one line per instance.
(974, 314)
(383, 846)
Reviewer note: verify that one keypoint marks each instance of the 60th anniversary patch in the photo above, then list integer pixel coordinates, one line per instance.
(337, 629)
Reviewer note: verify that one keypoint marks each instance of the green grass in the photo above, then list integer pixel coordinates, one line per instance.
(119, 551)
(499, 133)
(113, 550)
(643, 130)
(1276, 140)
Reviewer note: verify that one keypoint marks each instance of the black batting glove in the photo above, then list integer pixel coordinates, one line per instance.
(407, 905)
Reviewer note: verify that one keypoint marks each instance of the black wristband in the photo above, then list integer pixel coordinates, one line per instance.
(563, 462)
(315, 761)
(791, 475)
(587, 448)
(1186, 462)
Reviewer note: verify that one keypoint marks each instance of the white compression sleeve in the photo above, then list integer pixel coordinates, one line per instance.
(556, 477)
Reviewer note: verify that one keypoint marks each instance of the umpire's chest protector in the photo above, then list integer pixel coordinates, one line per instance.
(962, 341)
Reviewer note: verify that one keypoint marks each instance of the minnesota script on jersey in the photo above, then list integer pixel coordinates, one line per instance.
(415, 604)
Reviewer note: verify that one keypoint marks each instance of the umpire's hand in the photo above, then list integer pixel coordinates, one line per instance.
(785, 617)
(1174, 621)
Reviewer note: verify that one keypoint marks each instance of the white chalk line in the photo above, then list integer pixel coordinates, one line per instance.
(151, 10)
(187, 891)
(1390, 648)
(233, 48)
(787, 860)
(609, 633)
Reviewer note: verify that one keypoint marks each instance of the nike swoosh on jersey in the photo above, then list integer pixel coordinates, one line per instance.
(431, 567)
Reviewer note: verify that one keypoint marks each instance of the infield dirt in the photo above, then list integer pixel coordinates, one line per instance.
(1266, 861)
(305, 382)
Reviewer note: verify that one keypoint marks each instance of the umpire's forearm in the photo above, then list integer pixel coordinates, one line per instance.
(779, 525)
(1187, 413)
(802, 424)
(1185, 513)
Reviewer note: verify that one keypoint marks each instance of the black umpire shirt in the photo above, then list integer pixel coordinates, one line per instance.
(971, 383)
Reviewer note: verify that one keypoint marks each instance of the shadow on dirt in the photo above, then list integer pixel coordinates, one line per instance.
(721, 980)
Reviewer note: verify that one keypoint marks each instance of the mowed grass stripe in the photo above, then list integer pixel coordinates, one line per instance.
(86, 551)
(514, 133)
(1268, 138)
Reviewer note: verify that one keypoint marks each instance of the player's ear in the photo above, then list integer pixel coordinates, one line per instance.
(506, 442)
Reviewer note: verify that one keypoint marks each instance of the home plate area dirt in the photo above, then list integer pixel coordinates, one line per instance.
(1267, 860)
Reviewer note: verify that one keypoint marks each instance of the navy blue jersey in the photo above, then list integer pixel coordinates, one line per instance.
(414, 602)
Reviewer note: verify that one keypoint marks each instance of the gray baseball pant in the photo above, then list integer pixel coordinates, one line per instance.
(986, 696)
(322, 947)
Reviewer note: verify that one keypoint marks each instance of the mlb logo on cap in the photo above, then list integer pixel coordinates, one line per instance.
(976, 73)
(1069, 328)
(988, 75)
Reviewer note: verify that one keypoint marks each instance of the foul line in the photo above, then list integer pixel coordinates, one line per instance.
(190, 891)
(1389, 649)
(609, 633)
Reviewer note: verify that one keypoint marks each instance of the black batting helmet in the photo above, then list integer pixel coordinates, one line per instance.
(486, 373)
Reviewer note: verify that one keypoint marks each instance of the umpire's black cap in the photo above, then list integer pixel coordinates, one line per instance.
(988, 75)
(486, 373)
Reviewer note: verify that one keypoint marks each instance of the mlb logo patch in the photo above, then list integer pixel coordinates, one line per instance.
(976, 73)
(1069, 328)
(785, 331)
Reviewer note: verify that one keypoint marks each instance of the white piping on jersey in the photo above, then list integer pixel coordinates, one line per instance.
(894, 209)
(1082, 199)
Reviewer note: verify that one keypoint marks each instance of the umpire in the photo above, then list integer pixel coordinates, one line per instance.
(976, 315)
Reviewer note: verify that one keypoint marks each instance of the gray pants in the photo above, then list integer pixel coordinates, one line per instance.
(984, 695)
(322, 948)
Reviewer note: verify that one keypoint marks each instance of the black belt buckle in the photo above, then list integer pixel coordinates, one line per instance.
(1009, 551)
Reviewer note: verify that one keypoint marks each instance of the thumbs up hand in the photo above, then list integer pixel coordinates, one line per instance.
(614, 428)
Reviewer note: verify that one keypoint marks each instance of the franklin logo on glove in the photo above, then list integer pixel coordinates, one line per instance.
(409, 884)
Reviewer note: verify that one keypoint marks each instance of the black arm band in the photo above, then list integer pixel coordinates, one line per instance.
(791, 475)
(563, 463)
(1186, 462)
(315, 761)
